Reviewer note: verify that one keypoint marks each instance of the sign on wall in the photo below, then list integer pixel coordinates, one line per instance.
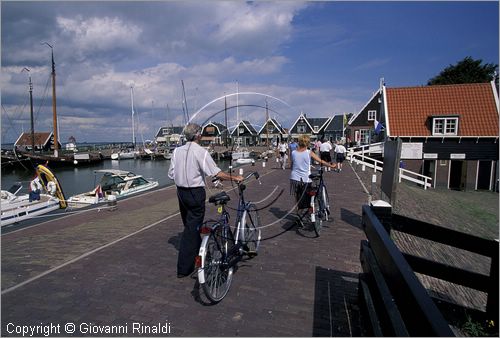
(411, 151)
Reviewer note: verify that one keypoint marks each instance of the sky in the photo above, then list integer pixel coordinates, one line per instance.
(185, 59)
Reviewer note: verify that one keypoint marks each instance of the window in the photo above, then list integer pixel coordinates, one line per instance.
(445, 126)
(301, 128)
(371, 115)
(241, 130)
(316, 128)
(210, 130)
(365, 136)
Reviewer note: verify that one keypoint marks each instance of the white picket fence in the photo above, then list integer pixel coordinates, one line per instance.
(360, 156)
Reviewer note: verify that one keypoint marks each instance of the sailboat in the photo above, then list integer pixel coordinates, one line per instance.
(56, 159)
(128, 153)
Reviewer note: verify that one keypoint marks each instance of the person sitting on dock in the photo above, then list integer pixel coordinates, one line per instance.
(35, 189)
(189, 166)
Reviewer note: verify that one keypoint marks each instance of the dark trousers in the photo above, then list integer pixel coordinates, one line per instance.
(192, 207)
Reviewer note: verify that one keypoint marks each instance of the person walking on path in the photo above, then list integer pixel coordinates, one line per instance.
(189, 166)
(282, 149)
(324, 151)
(340, 151)
(301, 167)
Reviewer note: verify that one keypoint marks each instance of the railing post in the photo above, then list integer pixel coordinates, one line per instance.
(383, 211)
(492, 301)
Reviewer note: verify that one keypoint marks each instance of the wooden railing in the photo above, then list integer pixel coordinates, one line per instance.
(359, 156)
(396, 302)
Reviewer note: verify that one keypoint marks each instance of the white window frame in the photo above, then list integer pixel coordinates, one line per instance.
(446, 123)
(372, 114)
(316, 129)
(301, 128)
(364, 136)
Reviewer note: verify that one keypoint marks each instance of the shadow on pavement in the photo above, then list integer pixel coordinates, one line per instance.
(336, 311)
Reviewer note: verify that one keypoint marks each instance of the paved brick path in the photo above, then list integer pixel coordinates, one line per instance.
(119, 268)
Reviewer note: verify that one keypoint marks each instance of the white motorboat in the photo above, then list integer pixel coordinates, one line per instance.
(245, 160)
(123, 155)
(240, 153)
(114, 184)
(17, 208)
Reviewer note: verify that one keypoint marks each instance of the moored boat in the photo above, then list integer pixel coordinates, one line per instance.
(18, 207)
(114, 184)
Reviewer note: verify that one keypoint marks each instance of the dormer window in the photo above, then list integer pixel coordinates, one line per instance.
(446, 126)
(371, 115)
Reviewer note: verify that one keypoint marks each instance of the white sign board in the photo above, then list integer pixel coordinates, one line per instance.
(457, 156)
(411, 151)
(430, 155)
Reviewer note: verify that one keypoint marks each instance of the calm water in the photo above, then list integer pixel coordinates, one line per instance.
(78, 180)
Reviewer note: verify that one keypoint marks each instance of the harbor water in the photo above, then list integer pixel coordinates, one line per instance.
(75, 180)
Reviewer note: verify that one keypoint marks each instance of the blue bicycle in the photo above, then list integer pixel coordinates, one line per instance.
(222, 248)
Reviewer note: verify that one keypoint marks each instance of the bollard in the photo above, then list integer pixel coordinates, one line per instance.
(263, 164)
(383, 211)
(241, 171)
(112, 202)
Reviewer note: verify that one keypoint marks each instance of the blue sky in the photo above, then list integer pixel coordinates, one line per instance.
(322, 58)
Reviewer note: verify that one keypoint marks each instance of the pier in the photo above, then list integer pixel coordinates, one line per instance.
(104, 269)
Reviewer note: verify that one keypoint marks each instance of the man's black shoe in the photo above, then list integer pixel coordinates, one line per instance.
(181, 275)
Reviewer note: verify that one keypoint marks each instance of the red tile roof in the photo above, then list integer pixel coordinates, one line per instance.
(40, 139)
(409, 109)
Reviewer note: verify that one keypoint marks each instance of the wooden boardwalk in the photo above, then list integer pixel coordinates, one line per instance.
(100, 270)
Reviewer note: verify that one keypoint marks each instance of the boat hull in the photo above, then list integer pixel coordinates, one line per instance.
(22, 209)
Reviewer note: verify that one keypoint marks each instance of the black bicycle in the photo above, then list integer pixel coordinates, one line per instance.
(317, 207)
(222, 247)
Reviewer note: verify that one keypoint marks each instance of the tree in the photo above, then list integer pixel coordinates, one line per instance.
(466, 71)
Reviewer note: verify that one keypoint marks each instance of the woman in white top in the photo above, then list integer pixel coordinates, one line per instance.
(301, 166)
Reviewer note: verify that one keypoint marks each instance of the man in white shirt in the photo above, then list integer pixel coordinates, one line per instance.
(189, 166)
(340, 150)
(324, 151)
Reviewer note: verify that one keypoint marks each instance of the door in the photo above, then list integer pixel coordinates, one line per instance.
(458, 175)
(429, 169)
(484, 175)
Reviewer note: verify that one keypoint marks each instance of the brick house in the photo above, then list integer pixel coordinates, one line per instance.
(449, 132)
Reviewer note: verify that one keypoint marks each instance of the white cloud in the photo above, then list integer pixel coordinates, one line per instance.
(99, 34)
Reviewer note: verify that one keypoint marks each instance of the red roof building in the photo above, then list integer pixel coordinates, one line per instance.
(449, 132)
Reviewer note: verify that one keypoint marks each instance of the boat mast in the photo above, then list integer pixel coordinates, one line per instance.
(133, 125)
(185, 101)
(31, 113)
(225, 121)
(267, 127)
(238, 111)
(54, 110)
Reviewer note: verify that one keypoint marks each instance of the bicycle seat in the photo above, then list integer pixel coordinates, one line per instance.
(314, 176)
(220, 198)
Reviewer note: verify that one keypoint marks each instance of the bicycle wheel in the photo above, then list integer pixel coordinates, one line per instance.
(251, 233)
(325, 203)
(213, 275)
(318, 220)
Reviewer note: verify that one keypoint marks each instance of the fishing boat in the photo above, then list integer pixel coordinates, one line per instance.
(114, 184)
(17, 207)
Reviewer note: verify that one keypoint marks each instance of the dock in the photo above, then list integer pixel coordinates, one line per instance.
(111, 268)
(105, 269)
